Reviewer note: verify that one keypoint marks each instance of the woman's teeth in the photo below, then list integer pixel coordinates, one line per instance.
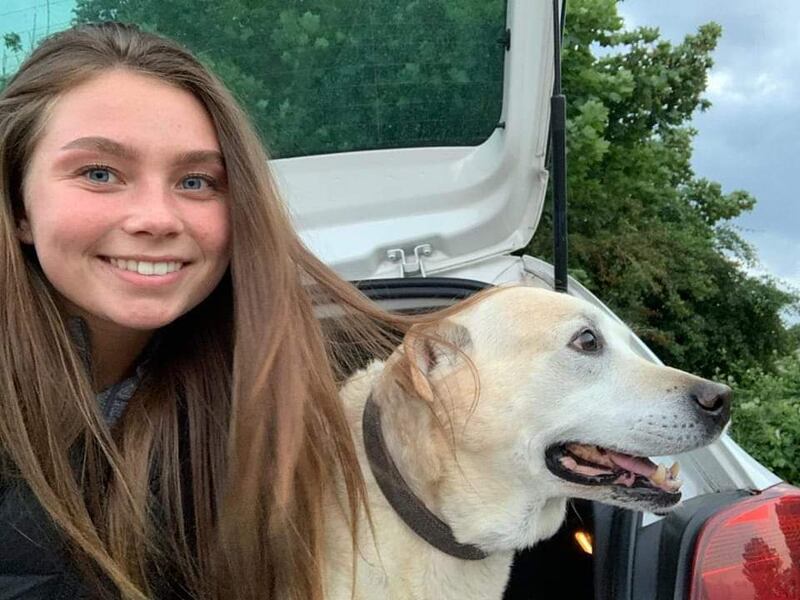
(143, 267)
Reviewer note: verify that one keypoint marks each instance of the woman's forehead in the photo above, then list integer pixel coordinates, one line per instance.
(130, 109)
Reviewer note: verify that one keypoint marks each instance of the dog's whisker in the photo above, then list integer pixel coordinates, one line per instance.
(571, 505)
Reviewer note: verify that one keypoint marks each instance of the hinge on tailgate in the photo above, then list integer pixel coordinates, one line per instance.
(409, 268)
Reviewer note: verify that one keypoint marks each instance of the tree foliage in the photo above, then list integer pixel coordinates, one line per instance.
(319, 76)
(646, 234)
(11, 49)
(767, 416)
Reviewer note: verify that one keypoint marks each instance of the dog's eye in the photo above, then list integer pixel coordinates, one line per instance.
(586, 341)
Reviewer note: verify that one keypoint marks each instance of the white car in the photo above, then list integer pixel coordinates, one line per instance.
(425, 227)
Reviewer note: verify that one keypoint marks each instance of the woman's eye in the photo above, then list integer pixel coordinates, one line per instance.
(587, 341)
(98, 175)
(196, 183)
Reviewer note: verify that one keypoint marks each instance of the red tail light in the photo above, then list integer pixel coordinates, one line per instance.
(751, 549)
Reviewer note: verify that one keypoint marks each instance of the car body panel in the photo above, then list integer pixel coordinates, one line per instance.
(466, 203)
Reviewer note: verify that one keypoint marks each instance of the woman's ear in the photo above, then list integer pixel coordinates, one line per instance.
(24, 233)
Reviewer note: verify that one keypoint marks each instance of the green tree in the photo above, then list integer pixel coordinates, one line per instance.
(11, 49)
(646, 233)
(767, 416)
(319, 76)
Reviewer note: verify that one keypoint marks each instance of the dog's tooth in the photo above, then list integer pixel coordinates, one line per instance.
(660, 476)
(673, 485)
(568, 462)
(674, 470)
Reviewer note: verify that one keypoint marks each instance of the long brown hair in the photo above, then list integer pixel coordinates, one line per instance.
(250, 368)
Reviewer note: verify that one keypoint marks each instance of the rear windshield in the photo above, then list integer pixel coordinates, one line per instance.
(320, 76)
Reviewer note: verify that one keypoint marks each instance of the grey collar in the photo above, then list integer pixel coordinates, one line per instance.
(405, 503)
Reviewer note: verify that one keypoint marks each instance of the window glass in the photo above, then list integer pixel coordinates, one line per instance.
(320, 76)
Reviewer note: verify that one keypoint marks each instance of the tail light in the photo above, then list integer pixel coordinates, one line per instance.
(750, 550)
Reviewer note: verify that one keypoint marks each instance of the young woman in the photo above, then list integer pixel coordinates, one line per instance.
(169, 418)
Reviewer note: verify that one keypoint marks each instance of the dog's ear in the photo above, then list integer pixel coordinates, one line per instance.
(427, 347)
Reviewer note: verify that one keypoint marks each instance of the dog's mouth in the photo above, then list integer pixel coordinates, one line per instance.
(632, 476)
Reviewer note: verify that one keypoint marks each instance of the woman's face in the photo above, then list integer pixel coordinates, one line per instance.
(125, 201)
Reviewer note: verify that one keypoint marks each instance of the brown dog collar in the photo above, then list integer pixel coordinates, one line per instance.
(402, 499)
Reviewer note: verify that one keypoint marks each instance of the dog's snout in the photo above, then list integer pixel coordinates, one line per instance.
(713, 398)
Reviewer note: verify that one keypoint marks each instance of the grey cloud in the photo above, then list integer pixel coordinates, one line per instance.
(749, 138)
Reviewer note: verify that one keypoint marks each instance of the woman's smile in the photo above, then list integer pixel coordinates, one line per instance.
(150, 273)
(147, 267)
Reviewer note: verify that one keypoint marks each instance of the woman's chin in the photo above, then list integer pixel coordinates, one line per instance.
(141, 321)
(146, 322)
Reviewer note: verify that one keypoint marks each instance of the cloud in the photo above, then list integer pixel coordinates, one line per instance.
(627, 17)
(748, 138)
(778, 255)
(732, 90)
(778, 259)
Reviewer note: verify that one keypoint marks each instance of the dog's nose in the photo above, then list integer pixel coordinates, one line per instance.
(712, 398)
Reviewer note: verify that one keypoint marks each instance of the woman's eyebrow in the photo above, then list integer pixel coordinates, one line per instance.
(109, 146)
(102, 144)
(200, 156)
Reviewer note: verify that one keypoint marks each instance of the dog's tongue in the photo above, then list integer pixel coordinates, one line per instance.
(596, 461)
(634, 464)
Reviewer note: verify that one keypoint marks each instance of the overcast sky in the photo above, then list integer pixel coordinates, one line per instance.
(749, 138)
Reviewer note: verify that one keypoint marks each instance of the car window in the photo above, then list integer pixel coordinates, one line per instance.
(320, 76)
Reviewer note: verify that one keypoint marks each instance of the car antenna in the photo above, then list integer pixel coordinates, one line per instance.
(558, 140)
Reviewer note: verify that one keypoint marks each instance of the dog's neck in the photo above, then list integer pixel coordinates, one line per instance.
(460, 491)
(408, 506)
(472, 502)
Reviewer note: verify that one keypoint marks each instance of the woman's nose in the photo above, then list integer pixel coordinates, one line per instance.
(153, 211)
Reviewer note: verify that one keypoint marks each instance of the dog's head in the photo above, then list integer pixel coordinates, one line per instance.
(565, 405)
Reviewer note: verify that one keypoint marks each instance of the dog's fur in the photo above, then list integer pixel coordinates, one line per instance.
(476, 457)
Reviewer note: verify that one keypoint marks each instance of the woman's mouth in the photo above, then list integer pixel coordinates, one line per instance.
(144, 267)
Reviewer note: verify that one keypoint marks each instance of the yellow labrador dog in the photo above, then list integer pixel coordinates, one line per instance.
(460, 476)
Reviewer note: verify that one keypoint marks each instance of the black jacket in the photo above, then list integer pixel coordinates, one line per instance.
(34, 561)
